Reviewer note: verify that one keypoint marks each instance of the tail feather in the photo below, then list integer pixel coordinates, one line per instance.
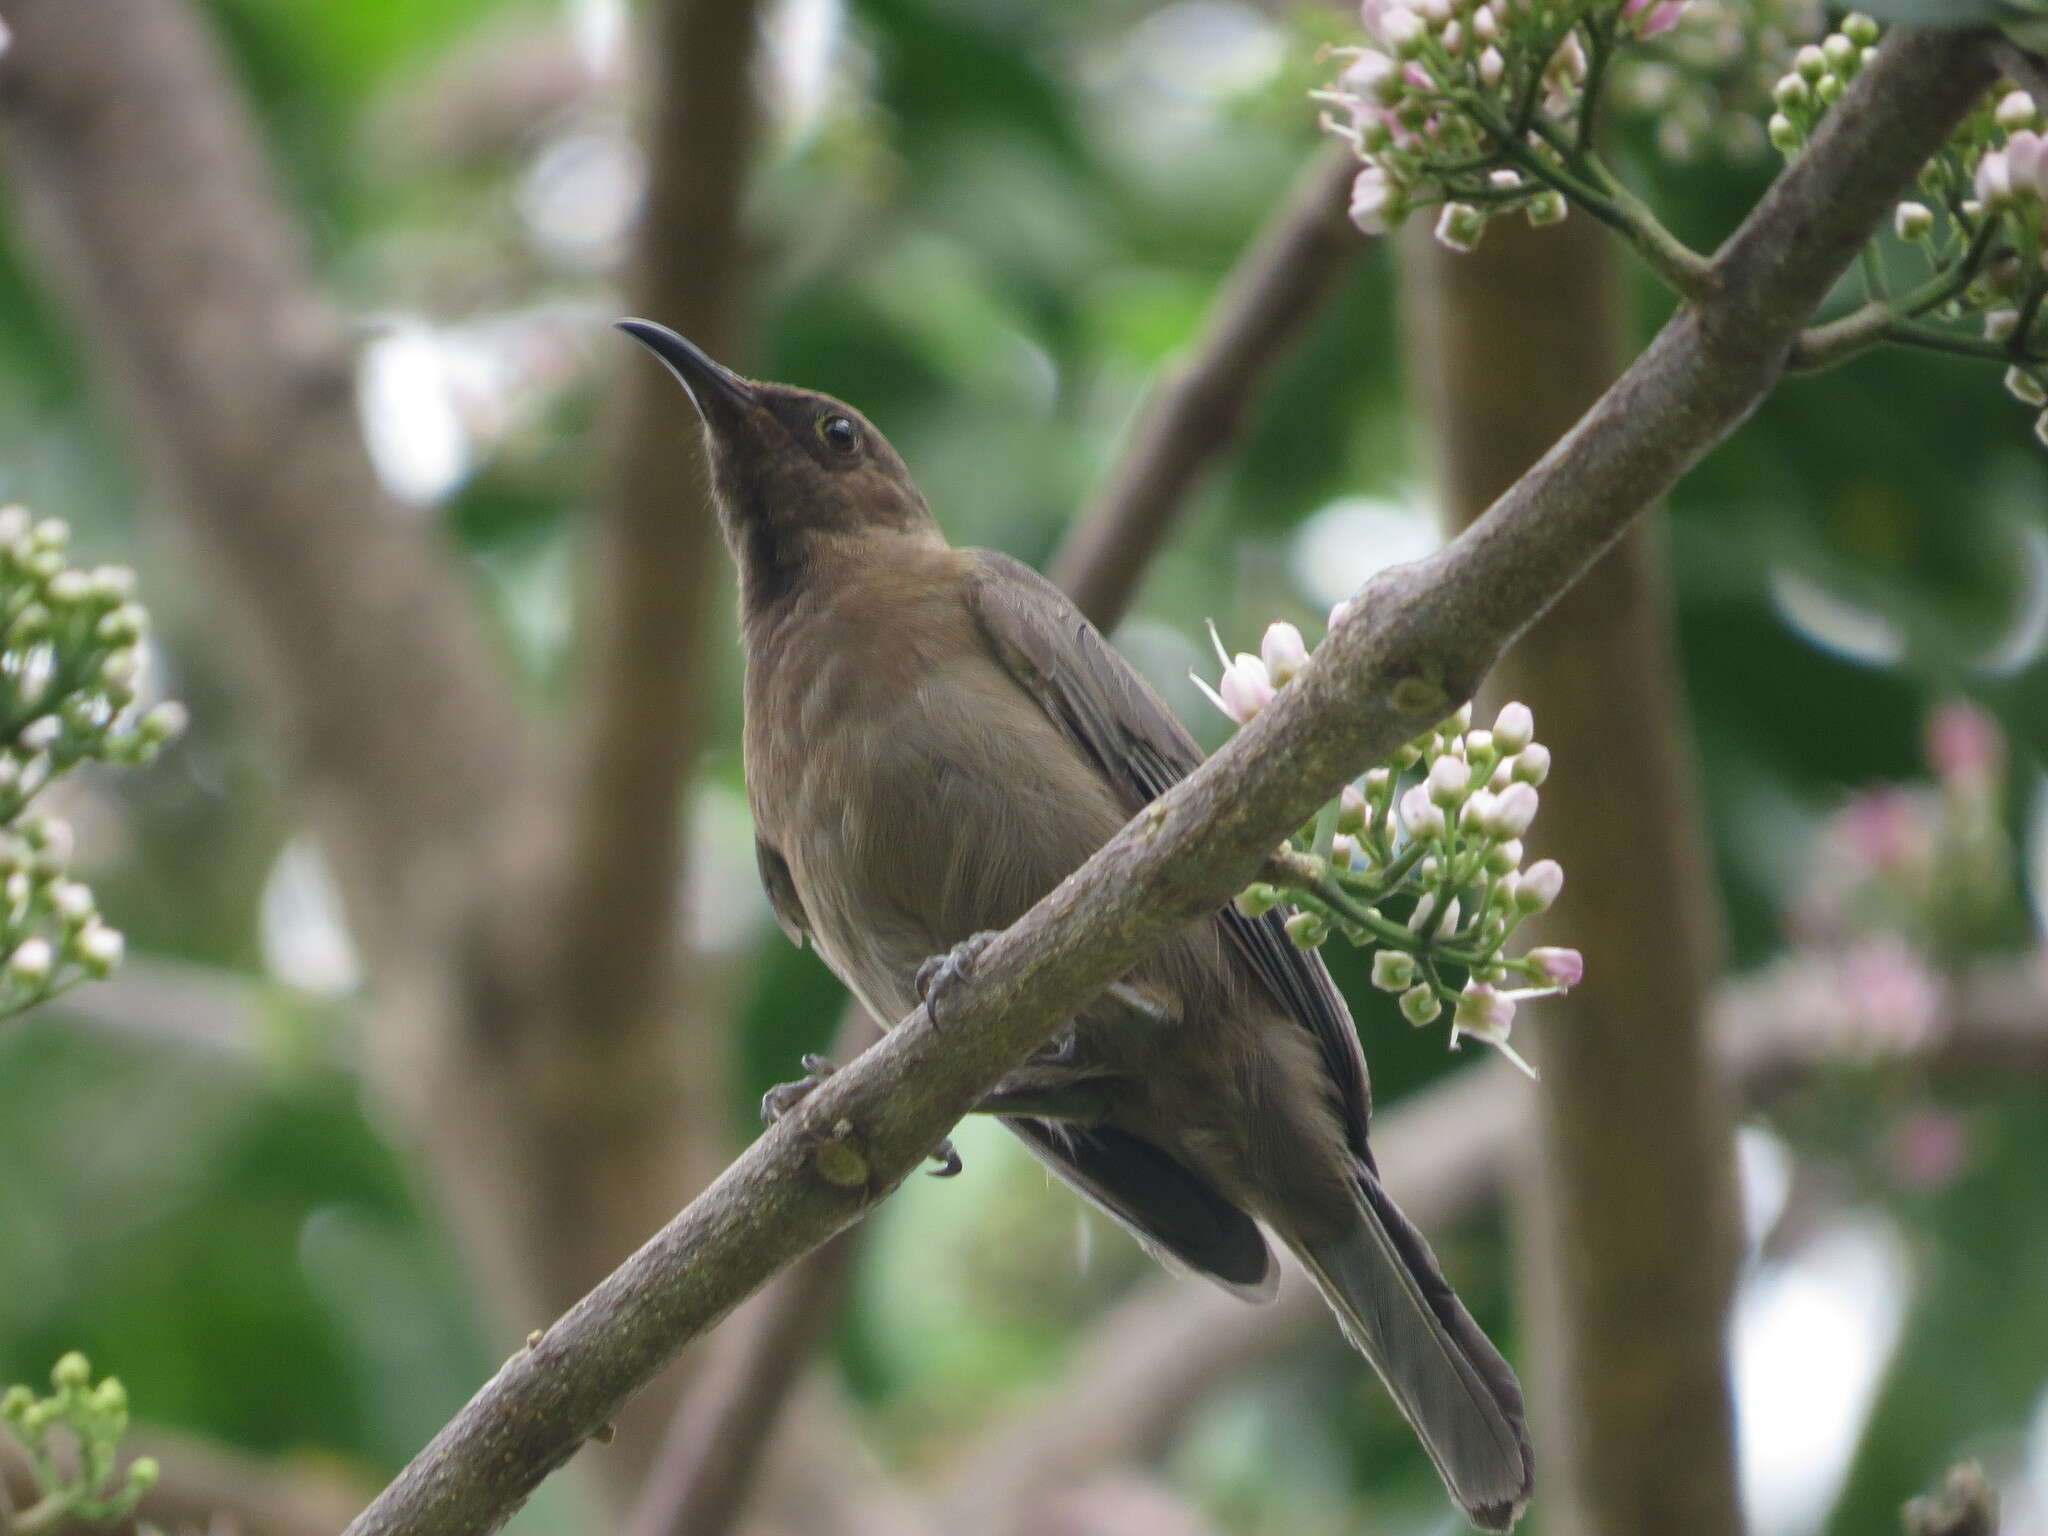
(1449, 1381)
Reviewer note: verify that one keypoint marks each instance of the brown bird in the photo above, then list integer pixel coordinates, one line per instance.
(935, 737)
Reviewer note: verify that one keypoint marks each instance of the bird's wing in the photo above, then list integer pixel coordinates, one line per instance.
(782, 896)
(1133, 739)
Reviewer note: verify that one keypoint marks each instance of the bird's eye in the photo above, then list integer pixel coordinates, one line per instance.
(840, 434)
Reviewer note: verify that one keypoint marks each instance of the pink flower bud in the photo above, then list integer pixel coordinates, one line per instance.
(1246, 688)
(1283, 652)
(1560, 967)
(1371, 76)
(1504, 858)
(1994, 179)
(2023, 152)
(1373, 204)
(1402, 30)
(1485, 25)
(1491, 67)
(1532, 763)
(1964, 746)
(1483, 1012)
(1539, 886)
(1477, 810)
(1351, 810)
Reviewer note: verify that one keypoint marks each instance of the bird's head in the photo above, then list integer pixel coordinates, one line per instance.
(795, 473)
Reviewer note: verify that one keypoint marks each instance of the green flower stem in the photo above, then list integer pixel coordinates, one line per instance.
(1326, 829)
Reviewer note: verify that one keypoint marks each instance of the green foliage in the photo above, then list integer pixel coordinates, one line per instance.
(93, 1418)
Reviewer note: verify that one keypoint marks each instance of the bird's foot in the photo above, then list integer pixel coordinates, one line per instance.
(941, 972)
(783, 1097)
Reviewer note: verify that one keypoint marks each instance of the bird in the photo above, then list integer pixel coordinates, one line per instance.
(934, 738)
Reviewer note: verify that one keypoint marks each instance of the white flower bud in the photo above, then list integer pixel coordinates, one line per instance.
(1474, 813)
(1514, 727)
(120, 669)
(14, 525)
(31, 961)
(1376, 782)
(1459, 227)
(2023, 387)
(1792, 93)
(1505, 179)
(1532, 763)
(99, 949)
(1375, 209)
(163, 722)
(1859, 29)
(1421, 815)
(1478, 742)
(1451, 915)
(18, 887)
(1538, 886)
(1393, 970)
(73, 902)
(1491, 67)
(1305, 930)
(2016, 110)
(1999, 324)
(1504, 859)
(1513, 809)
(1784, 134)
(1485, 25)
(51, 534)
(1372, 76)
(41, 734)
(1283, 652)
(69, 587)
(1424, 905)
(1449, 778)
(1403, 31)
(1453, 38)
(1419, 1006)
(2041, 429)
(1912, 221)
(1844, 57)
(1547, 207)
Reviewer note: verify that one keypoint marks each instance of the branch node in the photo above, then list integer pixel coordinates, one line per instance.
(841, 1159)
(1417, 695)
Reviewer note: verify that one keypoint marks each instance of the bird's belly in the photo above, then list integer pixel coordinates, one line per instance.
(936, 813)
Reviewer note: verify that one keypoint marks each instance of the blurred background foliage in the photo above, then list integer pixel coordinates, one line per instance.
(988, 224)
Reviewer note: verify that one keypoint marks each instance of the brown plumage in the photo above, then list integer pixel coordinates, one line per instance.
(934, 739)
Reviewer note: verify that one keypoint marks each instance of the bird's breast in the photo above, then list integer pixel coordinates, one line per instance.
(917, 792)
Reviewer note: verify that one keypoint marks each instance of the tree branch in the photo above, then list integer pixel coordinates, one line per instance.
(1418, 641)
(1274, 290)
(715, 1441)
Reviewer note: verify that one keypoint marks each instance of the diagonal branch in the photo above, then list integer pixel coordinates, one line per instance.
(1273, 292)
(1418, 641)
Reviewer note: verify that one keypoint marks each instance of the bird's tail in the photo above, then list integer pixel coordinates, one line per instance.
(1445, 1375)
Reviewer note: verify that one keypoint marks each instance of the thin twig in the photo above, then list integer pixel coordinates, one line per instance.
(1290, 271)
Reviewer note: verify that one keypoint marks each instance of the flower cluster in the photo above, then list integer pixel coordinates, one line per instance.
(1927, 865)
(71, 664)
(1481, 108)
(1704, 86)
(1422, 860)
(95, 1417)
(1979, 225)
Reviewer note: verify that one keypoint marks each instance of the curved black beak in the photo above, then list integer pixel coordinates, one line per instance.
(718, 393)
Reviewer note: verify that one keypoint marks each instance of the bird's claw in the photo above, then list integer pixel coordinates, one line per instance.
(941, 972)
(947, 1158)
(783, 1097)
